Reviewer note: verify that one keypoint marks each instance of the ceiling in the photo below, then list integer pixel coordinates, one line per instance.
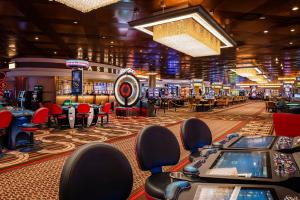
(49, 29)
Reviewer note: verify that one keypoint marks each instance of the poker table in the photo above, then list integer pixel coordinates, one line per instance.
(255, 142)
(15, 136)
(71, 110)
(245, 167)
(215, 191)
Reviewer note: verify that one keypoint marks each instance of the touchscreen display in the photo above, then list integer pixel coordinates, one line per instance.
(254, 142)
(232, 193)
(243, 164)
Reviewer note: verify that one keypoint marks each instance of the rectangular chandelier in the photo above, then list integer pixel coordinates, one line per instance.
(190, 30)
(87, 5)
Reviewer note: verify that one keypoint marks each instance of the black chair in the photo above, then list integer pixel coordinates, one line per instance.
(157, 147)
(195, 134)
(96, 171)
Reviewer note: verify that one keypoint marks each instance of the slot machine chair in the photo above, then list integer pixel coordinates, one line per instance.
(195, 134)
(286, 124)
(39, 118)
(83, 112)
(57, 114)
(104, 112)
(5, 121)
(85, 175)
(156, 146)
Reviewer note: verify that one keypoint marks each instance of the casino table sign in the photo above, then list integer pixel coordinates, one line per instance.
(127, 89)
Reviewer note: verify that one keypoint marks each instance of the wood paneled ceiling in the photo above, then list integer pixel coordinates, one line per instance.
(49, 29)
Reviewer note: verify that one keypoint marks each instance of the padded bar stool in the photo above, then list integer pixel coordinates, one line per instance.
(5, 120)
(57, 113)
(96, 171)
(83, 113)
(156, 147)
(39, 118)
(195, 134)
(105, 112)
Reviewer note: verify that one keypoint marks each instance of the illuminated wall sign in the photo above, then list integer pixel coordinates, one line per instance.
(3, 84)
(77, 78)
(12, 65)
(77, 63)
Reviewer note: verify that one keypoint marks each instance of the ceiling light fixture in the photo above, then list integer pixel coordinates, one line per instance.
(292, 30)
(87, 5)
(295, 8)
(75, 22)
(291, 43)
(262, 17)
(266, 31)
(36, 38)
(190, 30)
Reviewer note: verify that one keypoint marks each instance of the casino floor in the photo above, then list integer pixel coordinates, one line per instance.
(36, 175)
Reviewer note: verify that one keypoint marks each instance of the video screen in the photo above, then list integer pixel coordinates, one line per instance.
(232, 193)
(77, 82)
(254, 142)
(241, 164)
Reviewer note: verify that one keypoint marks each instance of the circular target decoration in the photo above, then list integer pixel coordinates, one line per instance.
(127, 89)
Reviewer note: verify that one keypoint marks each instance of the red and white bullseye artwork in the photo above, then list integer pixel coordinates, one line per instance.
(127, 89)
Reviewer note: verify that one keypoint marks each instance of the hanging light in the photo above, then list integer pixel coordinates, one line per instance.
(87, 5)
(190, 30)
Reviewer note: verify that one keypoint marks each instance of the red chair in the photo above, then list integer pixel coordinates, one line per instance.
(105, 112)
(49, 105)
(39, 118)
(57, 113)
(83, 112)
(286, 124)
(5, 120)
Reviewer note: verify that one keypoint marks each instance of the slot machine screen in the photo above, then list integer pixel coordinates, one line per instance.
(229, 193)
(150, 93)
(254, 142)
(241, 164)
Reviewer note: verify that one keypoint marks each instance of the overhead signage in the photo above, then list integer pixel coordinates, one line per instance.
(12, 65)
(77, 63)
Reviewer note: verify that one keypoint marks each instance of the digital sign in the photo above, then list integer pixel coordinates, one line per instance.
(77, 79)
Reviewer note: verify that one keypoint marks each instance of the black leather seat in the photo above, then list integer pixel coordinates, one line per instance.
(195, 134)
(96, 171)
(156, 147)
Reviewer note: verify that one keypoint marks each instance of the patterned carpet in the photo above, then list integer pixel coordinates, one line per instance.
(36, 175)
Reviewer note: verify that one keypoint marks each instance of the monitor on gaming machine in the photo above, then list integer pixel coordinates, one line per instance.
(253, 142)
(252, 164)
(231, 192)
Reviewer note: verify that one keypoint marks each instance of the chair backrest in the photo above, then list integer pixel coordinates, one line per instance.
(83, 108)
(96, 171)
(5, 119)
(156, 146)
(56, 109)
(40, 116)
(106, 108)
(286, 124)
(195, 134)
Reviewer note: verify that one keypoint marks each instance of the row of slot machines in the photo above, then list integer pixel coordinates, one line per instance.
(155, 93)
(30, 99)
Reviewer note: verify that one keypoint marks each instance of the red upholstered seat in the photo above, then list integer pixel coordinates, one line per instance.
(83, 112)
(39, 117)
(286, 124)
(5, 119)
(105, 110)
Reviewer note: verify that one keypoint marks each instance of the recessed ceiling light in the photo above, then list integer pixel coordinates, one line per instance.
(55, 52)
(291, 43)
(295, 8)
(262, 17)
(292, 30)
(111, 42)
(36, 38)
(103, 37)
(75, 22)
(266, 31)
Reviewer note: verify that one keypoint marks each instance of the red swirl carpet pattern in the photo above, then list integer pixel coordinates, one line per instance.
(36, 175)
